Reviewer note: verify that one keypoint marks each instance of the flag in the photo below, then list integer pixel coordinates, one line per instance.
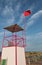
(27, 13)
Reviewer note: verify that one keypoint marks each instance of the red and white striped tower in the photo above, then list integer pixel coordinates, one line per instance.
(13, 45)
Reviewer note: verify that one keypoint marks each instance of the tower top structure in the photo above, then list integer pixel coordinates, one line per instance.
(14, 28)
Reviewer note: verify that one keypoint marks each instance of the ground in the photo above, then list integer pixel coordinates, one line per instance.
(33, 58)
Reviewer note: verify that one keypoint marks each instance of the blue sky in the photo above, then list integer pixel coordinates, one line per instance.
(11, 12)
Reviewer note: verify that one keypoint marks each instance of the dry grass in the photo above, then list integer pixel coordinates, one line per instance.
(0, 63)
(33, 58)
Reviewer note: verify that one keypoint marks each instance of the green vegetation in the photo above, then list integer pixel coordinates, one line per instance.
(4, 62)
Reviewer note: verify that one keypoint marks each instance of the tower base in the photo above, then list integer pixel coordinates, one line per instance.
(9, 56)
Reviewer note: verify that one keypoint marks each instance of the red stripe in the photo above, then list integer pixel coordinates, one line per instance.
(16, 54)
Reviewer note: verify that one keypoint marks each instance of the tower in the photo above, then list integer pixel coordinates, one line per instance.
(13, 46)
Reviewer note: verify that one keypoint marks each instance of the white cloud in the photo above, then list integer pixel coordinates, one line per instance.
(34, 42)
(21, 20)
(8, 11)
(1, 33)
(39, 35)
(34, 17)
(35, 36)
(10, 21)
(32, 7)
(17, 7)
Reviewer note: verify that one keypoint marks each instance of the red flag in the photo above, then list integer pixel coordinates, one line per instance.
(27, 13)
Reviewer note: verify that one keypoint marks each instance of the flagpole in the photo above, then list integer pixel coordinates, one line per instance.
(26, 13)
